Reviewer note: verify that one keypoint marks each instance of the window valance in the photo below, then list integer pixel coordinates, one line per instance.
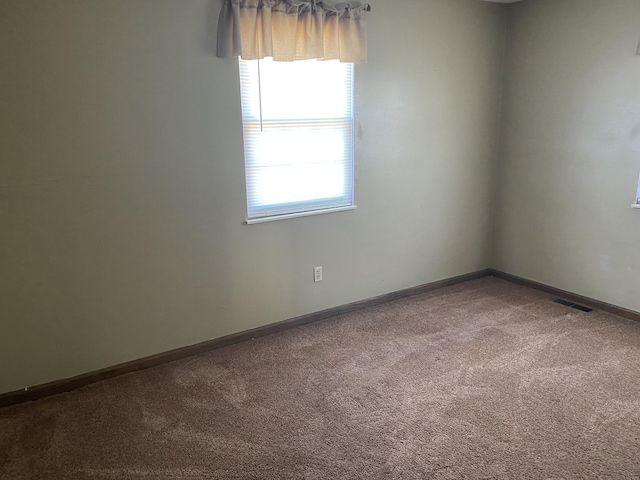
(293, 30)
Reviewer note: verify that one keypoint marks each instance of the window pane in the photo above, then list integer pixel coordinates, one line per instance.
(296, 90)
(299, 183)
(291, 144)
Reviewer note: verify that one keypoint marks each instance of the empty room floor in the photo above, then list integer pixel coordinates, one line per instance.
(485, 379)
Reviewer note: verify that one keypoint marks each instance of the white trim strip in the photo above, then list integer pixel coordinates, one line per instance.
(302, 214)
(635, 205)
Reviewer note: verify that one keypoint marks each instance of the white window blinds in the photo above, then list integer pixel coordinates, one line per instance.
(298, 136)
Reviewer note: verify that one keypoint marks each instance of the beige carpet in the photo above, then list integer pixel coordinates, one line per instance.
(481, 380)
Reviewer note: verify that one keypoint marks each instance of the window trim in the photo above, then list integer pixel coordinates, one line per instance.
(310, 213)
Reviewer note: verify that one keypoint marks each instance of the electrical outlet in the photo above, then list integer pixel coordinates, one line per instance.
(317, 274)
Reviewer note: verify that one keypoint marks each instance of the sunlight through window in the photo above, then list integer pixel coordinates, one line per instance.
(298, 136)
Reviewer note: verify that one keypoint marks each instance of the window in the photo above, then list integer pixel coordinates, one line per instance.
(298, 137)
(637, 204)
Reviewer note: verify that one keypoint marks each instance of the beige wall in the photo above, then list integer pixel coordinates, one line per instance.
(122, 191)
(571, 148)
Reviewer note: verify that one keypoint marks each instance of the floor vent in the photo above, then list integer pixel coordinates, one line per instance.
(577, 306)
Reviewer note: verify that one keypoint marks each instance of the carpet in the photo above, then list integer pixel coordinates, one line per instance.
(486, 379)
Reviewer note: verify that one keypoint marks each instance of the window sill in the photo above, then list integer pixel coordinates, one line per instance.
(302, 214)
(635, 205)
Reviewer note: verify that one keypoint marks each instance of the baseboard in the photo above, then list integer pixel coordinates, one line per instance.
(573, 297)
(68, 384)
